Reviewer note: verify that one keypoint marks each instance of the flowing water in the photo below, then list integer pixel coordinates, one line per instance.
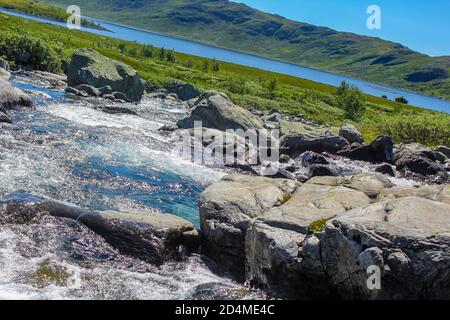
(70, 151)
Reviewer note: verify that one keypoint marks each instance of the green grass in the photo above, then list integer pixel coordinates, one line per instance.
(236, 26)
(248, 87)
(42, 10)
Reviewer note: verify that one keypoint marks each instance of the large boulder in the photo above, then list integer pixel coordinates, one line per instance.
(378, 151)
(408, 239)
(153, 237)
(184, 91)
(11, 97)
(321, 238)
(226, 211)
(351, 133)
(296, 144)
(215, 110)
(419, 159)
(90, 67)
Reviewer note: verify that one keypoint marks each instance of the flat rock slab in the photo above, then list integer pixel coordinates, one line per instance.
(153, 237)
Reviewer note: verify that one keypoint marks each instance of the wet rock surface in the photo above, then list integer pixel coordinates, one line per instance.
(155, 238)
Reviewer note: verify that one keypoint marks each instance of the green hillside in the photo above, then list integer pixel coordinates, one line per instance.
(237, 26)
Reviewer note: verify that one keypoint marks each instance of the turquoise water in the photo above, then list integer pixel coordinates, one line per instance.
(190, 47)
(68, 150)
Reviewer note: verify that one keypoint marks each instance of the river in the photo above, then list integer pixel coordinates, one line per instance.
(202, 50)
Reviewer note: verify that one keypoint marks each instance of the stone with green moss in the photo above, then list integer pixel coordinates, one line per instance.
(90, 67)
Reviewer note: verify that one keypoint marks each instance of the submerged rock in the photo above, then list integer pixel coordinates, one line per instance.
(90, 67)
(215, 110)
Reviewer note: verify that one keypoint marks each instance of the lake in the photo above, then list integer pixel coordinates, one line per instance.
(221, 54)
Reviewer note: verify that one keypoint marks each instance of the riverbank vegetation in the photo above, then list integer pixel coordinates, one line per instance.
(248, 87)
(43, 10)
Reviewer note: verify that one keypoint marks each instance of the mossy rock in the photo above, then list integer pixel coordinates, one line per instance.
(90, 67)
(49, 273)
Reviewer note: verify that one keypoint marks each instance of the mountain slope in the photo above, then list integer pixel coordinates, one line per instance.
(237, 26)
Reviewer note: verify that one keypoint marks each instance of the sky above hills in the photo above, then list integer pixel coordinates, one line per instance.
(421, 25)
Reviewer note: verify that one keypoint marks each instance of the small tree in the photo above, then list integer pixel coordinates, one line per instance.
(122, 47)
(350, 99)
(147, 51)
(162, 53)
(170, 56)
(205, 66)
(272, 87)
(215, 66)
(133, 52)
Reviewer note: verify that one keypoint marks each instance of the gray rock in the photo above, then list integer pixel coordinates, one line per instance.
(386, 169)
(4, 64)
(310, 157)
(118, 110)
(294, 145)
(120, 96)
(379, 150)
(105, 90)
(226, 210)
(152, 237)
(370, 184)
(320, 170)
(90, 90)
(318, 240)
(4, 75)
(215, 110)
(11, 97)
(418, 159)
(184, 91)
(90, 67)
(434, 192)
(4, 118)
(444, 150)
(407, 238)
(351, 133)
(108, 97)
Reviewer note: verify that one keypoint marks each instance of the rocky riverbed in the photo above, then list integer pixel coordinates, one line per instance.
(98, 202)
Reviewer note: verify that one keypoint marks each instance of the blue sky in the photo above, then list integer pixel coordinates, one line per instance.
(422, 25)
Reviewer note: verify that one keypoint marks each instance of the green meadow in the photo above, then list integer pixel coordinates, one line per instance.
(248, 87)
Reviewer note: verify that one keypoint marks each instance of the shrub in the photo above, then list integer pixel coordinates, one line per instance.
(30, 52)
(427, 129)
(350, 99)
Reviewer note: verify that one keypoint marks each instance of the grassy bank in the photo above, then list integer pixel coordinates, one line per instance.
(248, 87)
(40, 9)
